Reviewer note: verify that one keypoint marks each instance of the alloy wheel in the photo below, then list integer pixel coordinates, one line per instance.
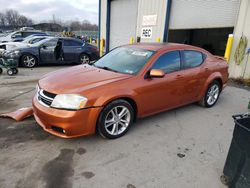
(29, 61)
(117, 120)
(84, 59)
(213, 94)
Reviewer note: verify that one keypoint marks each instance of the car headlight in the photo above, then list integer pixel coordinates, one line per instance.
(13, 53)
(69, 101)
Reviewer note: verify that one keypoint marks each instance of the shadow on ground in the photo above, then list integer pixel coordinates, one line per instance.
(12, 132)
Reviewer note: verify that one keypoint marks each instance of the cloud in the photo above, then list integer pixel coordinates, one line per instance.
(65, 10)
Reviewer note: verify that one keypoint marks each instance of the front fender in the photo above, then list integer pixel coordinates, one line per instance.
(116, 94)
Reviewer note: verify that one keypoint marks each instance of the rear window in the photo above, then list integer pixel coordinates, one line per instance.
(192, 58)
(72, 43)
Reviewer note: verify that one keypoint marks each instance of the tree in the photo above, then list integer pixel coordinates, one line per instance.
(11, 17)
(22, 21)
(75, 25)
(2, 19)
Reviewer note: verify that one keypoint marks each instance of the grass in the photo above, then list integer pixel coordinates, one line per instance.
(241, 81)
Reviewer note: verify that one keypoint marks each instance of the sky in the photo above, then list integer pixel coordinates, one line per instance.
(64, 10)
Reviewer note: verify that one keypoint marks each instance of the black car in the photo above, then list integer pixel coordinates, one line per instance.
(54, 50)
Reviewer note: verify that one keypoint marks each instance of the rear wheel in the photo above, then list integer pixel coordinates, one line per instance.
(15, 70)
(115, 119)
(29, 61)
(212, 95)
(84, 59)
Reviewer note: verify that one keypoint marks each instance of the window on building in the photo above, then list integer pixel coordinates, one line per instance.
(192, 59)
(169, 62)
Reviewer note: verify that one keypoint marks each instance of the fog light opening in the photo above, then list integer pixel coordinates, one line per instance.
(58, 129)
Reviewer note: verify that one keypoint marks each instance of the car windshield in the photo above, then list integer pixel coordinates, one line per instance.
(124, 60)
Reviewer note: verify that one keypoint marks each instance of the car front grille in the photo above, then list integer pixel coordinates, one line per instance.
(45, 98)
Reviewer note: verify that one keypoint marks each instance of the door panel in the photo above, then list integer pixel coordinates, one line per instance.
(191, 75)
(164, 93)
(161, 93)
(47, 55)
(47, 51)
(71, 50)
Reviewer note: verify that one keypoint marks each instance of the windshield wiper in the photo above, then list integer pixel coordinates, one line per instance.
(105, 68)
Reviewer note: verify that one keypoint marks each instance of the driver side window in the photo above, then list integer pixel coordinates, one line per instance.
(168, 62)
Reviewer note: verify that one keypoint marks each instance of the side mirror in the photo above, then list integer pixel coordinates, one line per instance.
(44, 46)
(156, 73)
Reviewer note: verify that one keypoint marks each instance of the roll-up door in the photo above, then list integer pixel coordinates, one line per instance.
(196, 14)
(123, 17)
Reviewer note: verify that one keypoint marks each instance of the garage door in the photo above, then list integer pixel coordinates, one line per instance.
(187, 14)
(123, 17)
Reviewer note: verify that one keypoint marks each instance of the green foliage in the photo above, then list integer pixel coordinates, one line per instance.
(240, 50)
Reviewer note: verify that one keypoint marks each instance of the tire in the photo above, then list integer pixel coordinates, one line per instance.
(84, 59)
(15, 70)
(212, 95)
(115, 119)
(10, 72)
(1, 70)
(28, 61)
(225, 180)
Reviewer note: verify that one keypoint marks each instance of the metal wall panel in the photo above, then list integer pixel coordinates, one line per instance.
(152, 7)
(189, 14)
(123, 19)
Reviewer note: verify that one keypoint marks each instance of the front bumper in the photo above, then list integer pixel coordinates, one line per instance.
(65, 123)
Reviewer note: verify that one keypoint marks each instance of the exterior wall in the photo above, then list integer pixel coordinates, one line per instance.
(242, 27)
(152, 7)
(103, 13)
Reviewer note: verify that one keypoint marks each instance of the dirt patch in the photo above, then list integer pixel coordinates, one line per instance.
(88, 175)
(131, 186)
(240, 83)
(81, 151)
(58, 172)
(12, 132)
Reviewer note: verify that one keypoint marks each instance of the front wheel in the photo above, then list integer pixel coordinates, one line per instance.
(115, 119)
(28, 61)
(1, 70)
(212, 95)
(10, 72)
(84, 59)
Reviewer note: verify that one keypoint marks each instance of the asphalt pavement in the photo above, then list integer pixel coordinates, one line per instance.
(184, 147)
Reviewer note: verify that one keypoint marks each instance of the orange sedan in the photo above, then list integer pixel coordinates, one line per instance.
(130, 82)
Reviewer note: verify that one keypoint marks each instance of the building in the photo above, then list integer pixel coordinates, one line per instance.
(242, 28)
(204, 23)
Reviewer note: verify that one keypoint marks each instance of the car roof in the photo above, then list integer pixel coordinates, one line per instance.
(164, 46)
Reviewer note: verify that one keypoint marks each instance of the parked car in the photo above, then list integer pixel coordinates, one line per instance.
(54, 51)
(25, 43)
(130, 82)
(18, 36)
(33, 35)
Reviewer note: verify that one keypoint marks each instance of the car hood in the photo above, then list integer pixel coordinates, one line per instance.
(14, 45)
(78, 79)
